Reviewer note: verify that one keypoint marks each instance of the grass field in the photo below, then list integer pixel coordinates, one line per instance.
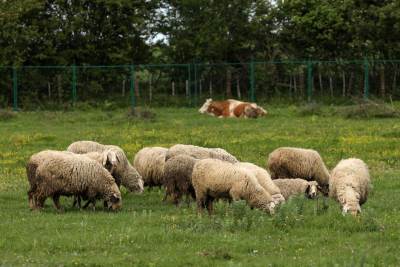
(149, 233)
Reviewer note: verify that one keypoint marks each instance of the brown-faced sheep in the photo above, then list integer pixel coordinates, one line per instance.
(198, 152)
(149, 162)
(178, 178)
(349, 185)
(123, 171)
(67, 174)
(293, 187)
(290, 162)
(213, 179)
(265, 181)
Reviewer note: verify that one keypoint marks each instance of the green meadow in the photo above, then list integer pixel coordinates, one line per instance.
(148, 232)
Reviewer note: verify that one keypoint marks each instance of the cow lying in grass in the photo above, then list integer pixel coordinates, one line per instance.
(232, 108)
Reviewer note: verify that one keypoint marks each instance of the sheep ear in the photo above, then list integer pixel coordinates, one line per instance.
(308, 189)
(112, 157)
(104, 160)
(114, 198)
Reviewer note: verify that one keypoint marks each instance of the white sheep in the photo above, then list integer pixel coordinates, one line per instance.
(68, 174)
(292, 187)
(123, 171)
(290, 162)
(213, 179)
(265, 180)
(198, 152)
(149, 162)
(349, 185)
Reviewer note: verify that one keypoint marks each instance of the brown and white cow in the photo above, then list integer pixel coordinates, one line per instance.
(232, 108)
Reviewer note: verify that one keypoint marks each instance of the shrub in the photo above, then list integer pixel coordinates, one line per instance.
(368, 109)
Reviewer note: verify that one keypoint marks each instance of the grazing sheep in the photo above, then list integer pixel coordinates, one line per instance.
(107, 159)
(200, 153)
(265, 181)
(67, 174)
(123, 170)
(213, 179)
(33, 163)
(290, 162)
(149, 162)
(293, 187)
(349, 185)
(178, 178)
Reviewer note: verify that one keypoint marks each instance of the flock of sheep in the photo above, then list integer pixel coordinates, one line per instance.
(91, 171)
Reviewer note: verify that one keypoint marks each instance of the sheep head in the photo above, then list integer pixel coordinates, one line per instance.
(132, 180)
(110, 160)
(312, 189)
(114, 200)
(350, 201)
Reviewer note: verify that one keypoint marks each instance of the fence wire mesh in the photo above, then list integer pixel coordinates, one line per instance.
(31, 87)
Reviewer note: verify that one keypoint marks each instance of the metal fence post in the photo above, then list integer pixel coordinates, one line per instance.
(252, 93)
(366, 78)
(189, 84)
(15, 88)
(73, 84)
(195, 83)
(309, 80)
(132, 87)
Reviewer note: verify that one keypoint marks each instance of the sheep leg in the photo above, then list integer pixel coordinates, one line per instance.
(177, 198)
(77, 202)
(188, 199)
(31, 200)
(94, 204)
(87, 204)
(56, 200)
(200, 203)
(209, 203)
(40, 202)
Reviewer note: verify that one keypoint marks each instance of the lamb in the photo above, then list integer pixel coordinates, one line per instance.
(213, 179)
(149, 162)
(265, 181)
(200, 153)
(123, 171)
(349, 185)
(290, 162)
(292, 187)
(178, 178)
(67, 174)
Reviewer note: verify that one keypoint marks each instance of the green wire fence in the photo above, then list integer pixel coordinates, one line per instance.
(189, 84)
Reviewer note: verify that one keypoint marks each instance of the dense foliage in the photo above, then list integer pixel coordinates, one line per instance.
(121, 31)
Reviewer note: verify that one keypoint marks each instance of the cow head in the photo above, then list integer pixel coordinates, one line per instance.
(205, 106)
